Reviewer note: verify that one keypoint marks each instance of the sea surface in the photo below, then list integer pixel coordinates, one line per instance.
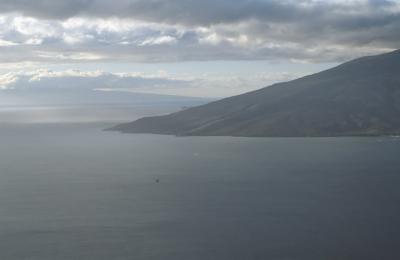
(74, 191)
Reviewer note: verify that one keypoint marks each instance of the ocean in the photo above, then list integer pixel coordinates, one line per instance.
(74, 191)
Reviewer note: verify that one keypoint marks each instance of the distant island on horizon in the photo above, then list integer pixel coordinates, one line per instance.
(358, 98)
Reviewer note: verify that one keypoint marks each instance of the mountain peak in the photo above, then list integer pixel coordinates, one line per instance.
(360, 97)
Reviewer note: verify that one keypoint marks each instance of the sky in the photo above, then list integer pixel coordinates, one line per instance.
(207, 48)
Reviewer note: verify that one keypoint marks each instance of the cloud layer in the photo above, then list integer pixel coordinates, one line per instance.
(187, 30)
(92, 80)
(160, 83)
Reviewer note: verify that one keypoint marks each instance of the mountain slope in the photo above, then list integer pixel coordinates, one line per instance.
(360, 97)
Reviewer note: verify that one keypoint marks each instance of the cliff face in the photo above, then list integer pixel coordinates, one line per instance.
(360, 97)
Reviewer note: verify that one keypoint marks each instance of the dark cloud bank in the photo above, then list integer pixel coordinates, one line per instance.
(303, 30)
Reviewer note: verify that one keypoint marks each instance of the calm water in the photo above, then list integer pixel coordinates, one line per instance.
(76, 192)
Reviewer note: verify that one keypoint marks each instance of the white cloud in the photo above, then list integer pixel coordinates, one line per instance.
(7, 43)
(159, 40)
(208, 85)
(76, 79)
(7, 79)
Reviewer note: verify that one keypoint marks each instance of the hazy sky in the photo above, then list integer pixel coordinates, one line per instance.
(185, 47)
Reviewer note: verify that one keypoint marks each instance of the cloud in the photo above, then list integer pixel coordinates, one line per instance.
(92, 80)
(190, 30)
(192, 12)
(207, 85)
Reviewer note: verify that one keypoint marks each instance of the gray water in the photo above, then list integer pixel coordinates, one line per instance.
(73, 191)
